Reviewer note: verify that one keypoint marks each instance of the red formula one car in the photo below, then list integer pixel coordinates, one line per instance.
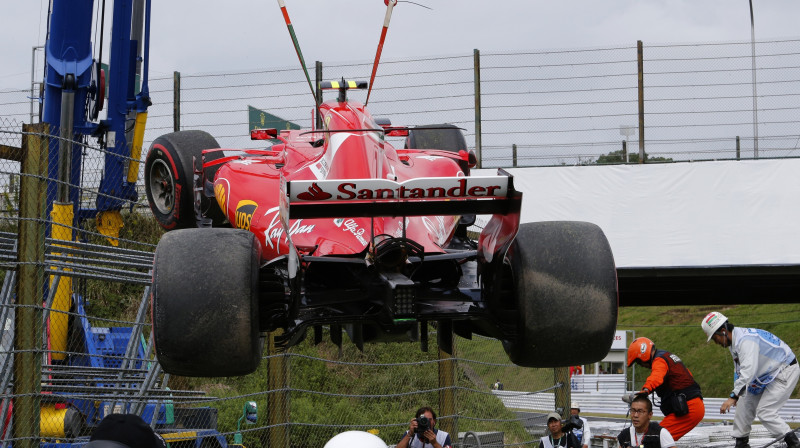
(336, 227)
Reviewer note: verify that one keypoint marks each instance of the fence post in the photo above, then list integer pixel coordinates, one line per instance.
(30, 258)
(624, 151)
(447, 379)
(514, 155)
(562, 393)
(318, 94)
(477, 70)
(176, 101)
(738, 149)
(640, 69)
(278, 397)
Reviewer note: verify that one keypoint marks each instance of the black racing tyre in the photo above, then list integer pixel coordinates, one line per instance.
(446, 137)
(565, 288)
(204, 301)
(169, 181)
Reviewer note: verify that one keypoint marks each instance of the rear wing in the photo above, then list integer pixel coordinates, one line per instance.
(427, 196)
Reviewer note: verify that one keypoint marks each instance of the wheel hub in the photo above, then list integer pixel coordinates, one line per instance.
(162, 185)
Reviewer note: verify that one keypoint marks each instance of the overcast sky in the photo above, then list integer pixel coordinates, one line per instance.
(203, 36)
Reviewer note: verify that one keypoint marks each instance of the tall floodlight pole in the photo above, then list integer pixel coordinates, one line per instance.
(755, 96)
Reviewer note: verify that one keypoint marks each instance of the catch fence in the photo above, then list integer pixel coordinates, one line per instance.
(700, 101)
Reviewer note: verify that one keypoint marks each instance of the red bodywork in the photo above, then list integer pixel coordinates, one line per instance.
(248, 189)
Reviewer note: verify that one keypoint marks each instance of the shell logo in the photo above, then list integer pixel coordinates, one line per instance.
(219, 193)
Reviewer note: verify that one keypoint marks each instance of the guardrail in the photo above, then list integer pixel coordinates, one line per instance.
(612, 404)
(602, 383)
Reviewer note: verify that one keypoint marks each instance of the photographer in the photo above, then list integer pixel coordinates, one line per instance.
(583, 433)
(560, 434)
(422, 432)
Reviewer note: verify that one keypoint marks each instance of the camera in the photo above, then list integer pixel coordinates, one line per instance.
(423, 424)
(574, 422)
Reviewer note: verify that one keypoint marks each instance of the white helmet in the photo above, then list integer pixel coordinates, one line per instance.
(712, 322)
(355, 439)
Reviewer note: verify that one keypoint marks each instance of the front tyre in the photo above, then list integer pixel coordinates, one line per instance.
(204, 302)
(565, 288)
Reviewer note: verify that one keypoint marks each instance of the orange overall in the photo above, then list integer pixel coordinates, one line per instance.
(669, 376)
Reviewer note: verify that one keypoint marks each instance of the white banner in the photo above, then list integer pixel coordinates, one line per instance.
(676, 214)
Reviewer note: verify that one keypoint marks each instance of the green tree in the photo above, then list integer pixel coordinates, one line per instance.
(616, 157)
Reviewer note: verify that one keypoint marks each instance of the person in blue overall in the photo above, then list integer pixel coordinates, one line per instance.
(765, 374)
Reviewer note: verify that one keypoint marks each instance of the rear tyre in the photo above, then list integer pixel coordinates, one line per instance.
(169, 179)
(565, 287)
(205, 302)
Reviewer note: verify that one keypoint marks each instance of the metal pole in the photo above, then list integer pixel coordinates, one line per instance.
(447, 378)
(176, 101)
(477, 70)
(624, 151)
(278, 398)
(65, 138)
(563, 393)
(738, 149)
(514, 155)
(640, 57)
(755, 96)
(318, 78)
(33, 78)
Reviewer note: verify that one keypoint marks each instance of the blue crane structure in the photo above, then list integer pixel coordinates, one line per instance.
(76, 89)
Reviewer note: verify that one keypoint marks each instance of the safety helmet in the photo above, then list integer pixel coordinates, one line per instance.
(712, 322)
(641, 349)
(355, 439)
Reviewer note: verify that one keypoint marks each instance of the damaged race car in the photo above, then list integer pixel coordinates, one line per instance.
(335, 227)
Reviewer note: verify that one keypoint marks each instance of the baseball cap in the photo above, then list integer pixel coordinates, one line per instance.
(124, 430)
(553, 415)
(575, 405)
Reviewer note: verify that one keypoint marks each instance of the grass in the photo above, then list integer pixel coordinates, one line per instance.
(677, 330)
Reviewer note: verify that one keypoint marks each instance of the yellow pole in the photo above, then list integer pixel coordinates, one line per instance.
(61, 217)
(136, 146)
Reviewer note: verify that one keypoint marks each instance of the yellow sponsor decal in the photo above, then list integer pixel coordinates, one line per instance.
(244, 213)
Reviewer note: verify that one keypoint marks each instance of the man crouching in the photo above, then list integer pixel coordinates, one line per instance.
(643, 433)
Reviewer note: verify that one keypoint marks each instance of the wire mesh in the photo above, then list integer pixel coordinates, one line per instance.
(702, 101)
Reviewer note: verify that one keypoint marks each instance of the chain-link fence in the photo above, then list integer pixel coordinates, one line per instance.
(698, 102)
(74, 305)
(677, 102)
(76, 345)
